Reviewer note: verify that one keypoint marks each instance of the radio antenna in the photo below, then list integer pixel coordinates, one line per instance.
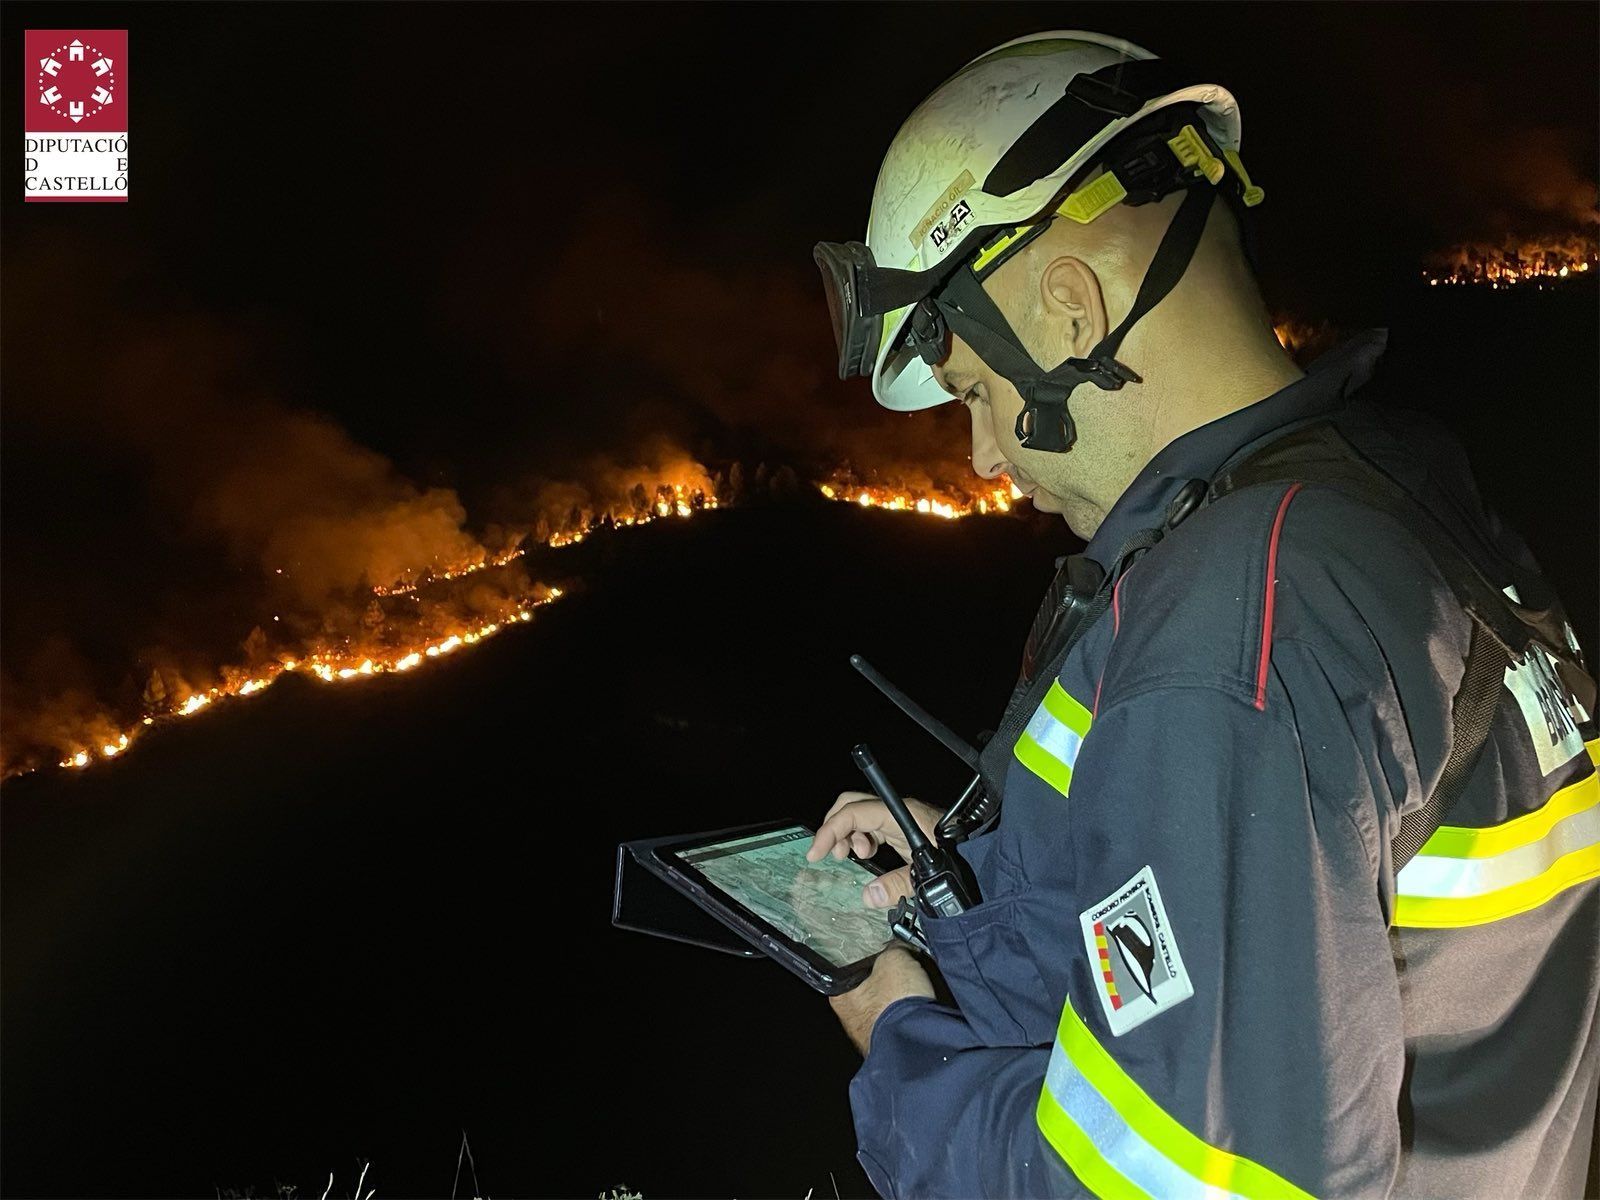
(917, 713)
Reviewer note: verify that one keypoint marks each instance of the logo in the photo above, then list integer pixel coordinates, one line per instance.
(1134, 954)
(960, 184)
(951, 225)
(75, 114)
(1137, 949)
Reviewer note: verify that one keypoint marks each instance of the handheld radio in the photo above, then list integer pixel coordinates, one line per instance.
(941, 887)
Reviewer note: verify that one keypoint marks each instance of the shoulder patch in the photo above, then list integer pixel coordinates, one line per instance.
(1133, 954)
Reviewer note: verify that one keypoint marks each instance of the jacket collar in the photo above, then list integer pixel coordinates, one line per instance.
(1200, 453)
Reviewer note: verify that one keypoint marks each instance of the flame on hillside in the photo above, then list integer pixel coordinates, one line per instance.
(947, 503)
(441, 609)
(1513, 262)
(330, 666)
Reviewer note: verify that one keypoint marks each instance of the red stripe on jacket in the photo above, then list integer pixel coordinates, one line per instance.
(1264, 660)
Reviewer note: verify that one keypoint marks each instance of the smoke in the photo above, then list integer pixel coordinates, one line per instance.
(1475, 153)
(299, 500)
(172, 525)
(667, 337)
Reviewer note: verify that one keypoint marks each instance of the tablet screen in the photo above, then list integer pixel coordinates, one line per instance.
(816, 904)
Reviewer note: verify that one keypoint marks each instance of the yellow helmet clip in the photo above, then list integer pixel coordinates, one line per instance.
(1252, 194)
(1191, 151)
(1093, 198)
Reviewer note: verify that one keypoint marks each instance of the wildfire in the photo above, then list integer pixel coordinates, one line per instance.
(1541, 264)
(343, 663)
(949, 504)
(330, 667)
(670, 501)
(430, 577)
(667, 500)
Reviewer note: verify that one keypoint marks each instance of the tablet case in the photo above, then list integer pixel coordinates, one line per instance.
(641, 900)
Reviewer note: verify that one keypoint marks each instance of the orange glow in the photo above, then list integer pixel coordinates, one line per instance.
(949, 504)
(1540, 263)
(348, 664)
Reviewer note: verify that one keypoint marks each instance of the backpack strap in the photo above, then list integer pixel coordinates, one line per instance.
(1502, 629)
(1471, 717)
(1030, 690)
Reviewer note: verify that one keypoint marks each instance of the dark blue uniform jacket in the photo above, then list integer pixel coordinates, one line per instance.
(1194, 970)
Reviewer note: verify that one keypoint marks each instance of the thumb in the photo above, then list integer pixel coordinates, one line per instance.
(886, 890)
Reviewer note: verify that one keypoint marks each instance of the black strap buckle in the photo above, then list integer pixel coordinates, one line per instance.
(1105, 372)
(1044, 422)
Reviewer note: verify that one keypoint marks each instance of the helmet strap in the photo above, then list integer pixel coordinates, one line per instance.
(1044, 422)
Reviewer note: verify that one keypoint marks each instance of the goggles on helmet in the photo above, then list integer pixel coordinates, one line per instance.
(1169, 152)
(860, 293)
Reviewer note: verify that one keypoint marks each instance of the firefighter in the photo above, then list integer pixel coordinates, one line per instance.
(1292, 887)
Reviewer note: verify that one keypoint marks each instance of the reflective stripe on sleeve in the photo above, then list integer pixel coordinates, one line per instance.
(1049, 745)
(1465, 876)
(1120, 1143)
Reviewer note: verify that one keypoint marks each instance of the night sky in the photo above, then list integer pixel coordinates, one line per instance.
(424, 266)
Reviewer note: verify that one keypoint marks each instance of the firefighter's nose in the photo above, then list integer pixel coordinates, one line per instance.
(987, 460)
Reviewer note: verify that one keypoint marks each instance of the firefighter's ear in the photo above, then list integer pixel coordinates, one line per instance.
(1072, 302)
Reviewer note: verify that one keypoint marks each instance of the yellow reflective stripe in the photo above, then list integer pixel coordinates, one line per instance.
(1060, 704)
(1464, 877)
(1049, 745)
(1594, 751)
(1456, 912)
(1044, 764)
(1457, 841)
(1141, 1128)
(1092, 1170)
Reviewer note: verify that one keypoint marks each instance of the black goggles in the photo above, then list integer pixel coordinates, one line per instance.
(861, 293)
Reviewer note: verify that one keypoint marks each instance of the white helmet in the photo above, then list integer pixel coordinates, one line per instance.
(992, 149)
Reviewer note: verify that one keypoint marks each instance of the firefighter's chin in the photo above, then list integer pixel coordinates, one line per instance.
(1044, 501)
(1081, 517)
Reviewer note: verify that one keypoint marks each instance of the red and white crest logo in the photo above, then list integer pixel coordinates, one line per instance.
(77, 80)
(76, 114)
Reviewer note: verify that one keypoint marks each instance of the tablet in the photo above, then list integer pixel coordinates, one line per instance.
(756, 880)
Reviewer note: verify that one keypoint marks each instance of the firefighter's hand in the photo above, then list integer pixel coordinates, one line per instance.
(896, 975)
(861, 822)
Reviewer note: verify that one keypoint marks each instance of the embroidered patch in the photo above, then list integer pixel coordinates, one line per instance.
(1138, 970)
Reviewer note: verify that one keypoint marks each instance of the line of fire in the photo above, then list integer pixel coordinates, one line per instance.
(435, 609)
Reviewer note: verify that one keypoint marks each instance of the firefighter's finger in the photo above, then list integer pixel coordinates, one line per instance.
(886, 890)
(864, 845)
(854, 797)
(870, 817)
(846, 798)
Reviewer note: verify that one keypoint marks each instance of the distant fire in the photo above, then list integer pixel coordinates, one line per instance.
(950, 504)
(425, 602)
(330, 666)
(436, 609)
(1513, 263)
(664, 501)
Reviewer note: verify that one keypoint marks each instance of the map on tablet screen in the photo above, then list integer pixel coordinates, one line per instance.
(816, 904)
